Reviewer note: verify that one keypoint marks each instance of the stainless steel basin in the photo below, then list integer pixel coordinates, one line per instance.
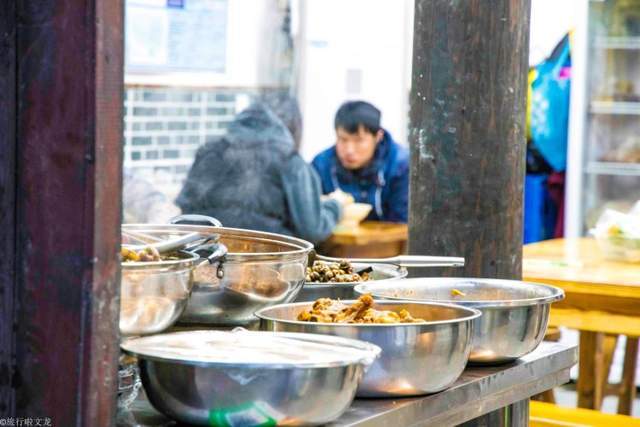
(214, 378)
(417, 358)
(514, 317)
(259, 270)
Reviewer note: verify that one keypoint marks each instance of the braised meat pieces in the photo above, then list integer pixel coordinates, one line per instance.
(326, 310)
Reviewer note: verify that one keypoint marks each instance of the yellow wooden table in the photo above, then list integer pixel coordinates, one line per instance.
(371, 239)
(602, 301)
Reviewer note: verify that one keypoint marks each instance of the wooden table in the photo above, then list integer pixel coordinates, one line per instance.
(370, 239)
(602, 301)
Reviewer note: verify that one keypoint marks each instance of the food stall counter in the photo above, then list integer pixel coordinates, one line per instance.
(491, 395)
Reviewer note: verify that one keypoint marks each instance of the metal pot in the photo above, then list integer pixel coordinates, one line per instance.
(250, 378)
(259, 270)
(417, 358)
(514, 318)
(314, 290)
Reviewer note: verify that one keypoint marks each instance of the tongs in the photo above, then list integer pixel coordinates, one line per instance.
(171, 245)
(189, 242)
(407, 261)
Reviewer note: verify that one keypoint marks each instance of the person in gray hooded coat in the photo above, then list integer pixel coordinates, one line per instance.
(253, 178)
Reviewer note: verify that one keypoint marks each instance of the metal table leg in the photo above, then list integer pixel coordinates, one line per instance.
(514, 415)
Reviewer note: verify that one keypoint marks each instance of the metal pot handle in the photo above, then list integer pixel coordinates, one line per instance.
(195, 219)
(212, 253)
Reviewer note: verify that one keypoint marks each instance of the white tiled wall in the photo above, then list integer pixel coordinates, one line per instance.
(165, 126)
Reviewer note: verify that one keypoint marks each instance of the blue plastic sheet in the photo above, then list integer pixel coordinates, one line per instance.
(550, 106)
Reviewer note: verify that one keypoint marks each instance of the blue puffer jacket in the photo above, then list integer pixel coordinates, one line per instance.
(384, 184)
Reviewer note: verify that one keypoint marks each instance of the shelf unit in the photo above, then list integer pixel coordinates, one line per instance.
(605, 111)
(613, 168)
(615, 107)
(630, 43)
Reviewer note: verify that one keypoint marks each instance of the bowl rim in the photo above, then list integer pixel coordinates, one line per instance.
(187, 262)
(369, 352)
(471, 314)
(302, 247)
(298, 247)
(556, 293)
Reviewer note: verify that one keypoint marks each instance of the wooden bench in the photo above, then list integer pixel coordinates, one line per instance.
(599, 333)
(602, 301)
(549, 415)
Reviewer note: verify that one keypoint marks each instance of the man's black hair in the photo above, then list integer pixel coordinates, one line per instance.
(353, 114)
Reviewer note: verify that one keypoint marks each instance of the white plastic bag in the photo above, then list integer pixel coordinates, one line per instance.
(618, 234)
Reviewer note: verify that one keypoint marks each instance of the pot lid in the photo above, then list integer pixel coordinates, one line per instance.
(252, 349)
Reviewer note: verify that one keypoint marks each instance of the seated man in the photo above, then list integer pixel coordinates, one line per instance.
(253, 178)
(366, 163)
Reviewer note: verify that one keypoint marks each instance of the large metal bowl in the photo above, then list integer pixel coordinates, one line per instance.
(514, 314)
(245, 386)
(154, 294)
(260, 270)
(311, 291)
(417, 358)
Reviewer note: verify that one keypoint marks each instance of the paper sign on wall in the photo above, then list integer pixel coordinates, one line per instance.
(175, 35)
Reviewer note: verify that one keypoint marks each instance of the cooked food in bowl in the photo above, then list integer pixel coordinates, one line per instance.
(514, 314)
(255, 280)
(147, 254)
(417, 358)
(259, 270)
(158, 263)
(154, 294)
(344, 290)
(334, 272)
(457, 293)
(326, 310)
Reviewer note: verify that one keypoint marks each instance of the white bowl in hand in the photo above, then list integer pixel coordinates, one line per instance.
(354, 213)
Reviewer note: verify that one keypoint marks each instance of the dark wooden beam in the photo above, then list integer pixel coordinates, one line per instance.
(7, 203)
(68, 122)
(467, 134)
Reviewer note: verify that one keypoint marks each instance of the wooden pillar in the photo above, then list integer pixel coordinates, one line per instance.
(467, 133)
(7, 203)
(61, 77)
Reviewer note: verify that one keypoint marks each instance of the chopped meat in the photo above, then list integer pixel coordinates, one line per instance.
(326, 310)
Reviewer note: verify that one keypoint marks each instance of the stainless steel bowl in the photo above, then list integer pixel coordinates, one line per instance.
(311, 291)
(514, 314)
(244, 382)
(260, 270)
(154, 294)
(417, 358)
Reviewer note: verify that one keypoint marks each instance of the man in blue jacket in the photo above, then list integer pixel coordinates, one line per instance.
(366, 163)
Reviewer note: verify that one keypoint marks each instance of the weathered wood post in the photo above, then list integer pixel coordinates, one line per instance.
(61, 77)
(467, 132)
